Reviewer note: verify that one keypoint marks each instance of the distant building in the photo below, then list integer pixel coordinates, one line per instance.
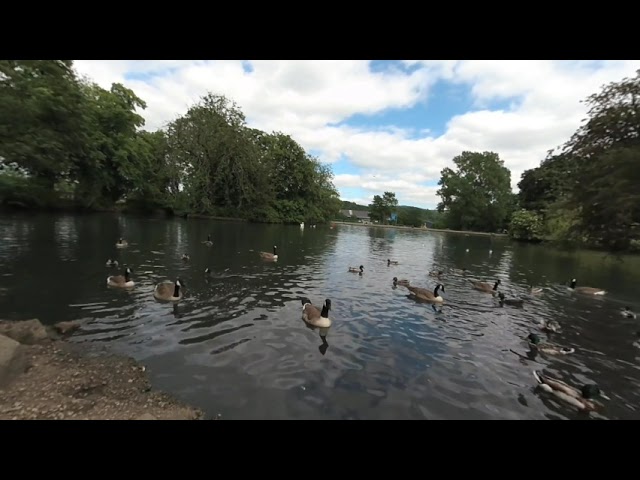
(361, 215)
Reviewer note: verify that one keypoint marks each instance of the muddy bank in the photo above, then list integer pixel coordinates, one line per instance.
(42, 377)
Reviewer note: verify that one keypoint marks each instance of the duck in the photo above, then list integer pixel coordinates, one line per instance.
(424, 294)
(207, 271)
(550, 326)
(514, 302)
(587, 290)
(435, 273)
(122, 243)
(313, 316)
(359, 270)
(121, 281)
(186, 257)
(402, 282)
(536, 343)
(112, 263)
(169, 291)
(208, 241)
(270, 256)
(389, 262)
(579, 398)
(627, 313)
(485, 287)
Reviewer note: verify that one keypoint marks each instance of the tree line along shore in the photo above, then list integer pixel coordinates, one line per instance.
(67, 144)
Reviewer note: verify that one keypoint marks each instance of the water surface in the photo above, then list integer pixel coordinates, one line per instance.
(236, 346)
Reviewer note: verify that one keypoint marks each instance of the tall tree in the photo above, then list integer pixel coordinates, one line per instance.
(477, 195)
(607, 152)
(383, 206)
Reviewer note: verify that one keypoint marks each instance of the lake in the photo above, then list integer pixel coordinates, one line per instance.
(236, 345)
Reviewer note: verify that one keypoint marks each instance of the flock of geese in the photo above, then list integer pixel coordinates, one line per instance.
(169, 291)
(582, 398)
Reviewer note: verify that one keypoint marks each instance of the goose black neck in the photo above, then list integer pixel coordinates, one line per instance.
(325, 311)
(176, 290)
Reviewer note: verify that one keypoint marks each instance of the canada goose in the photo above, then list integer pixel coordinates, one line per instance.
(535, 343)
(168, 291)
(112, 263)
(627, 313)
(121, 281)
(424, 294)
(402, 282)
(514, 302)
(357, 270)
(208, 241)
(485, 287)
(580, 399)
(186, 257)
(550, 326)
(315, 317)
(587, 290)
(389, 262)
(270, 256)
(122, 243)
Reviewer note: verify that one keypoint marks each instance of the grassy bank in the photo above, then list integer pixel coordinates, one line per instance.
(401, 227)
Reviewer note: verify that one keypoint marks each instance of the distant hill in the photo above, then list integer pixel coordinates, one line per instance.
(407, 214)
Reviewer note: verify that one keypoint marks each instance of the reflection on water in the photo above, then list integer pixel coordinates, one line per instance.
(237, 345)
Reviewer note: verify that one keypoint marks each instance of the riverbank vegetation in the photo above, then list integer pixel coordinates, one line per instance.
(68, 144)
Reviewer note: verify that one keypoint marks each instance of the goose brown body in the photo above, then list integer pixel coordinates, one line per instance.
(313, 316)
(121, 281)
(270, 256)
(169, 291)
(425, 294)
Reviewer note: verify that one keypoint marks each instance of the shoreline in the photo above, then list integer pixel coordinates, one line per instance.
(45, 377)
(421, 229)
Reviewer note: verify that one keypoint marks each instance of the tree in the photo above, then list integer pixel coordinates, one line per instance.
(476, 196)
(383, 206)
(42, 121)
(526, 225)
(606, 150)
(542, 186)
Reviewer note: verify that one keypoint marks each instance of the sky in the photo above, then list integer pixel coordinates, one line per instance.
(389, 125)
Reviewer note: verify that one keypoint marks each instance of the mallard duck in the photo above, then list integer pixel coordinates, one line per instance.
(587, 290)
(627, 313)
(485, 287)
(550, 326)
(122, 243)
(112, 263)
(514, 302)
(435, 273)
(121, 281)
(424, 294)
(547, 348)
(186, 257)
(357, 270)
(581, 399)
(313, 316)
(169, 291)
(270, 256)
(208, 241)
(401, 282)
(389, 262)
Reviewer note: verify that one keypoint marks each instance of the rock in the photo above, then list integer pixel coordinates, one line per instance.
(146, 416)
(13, 360)
(26, 332)
(67, 327)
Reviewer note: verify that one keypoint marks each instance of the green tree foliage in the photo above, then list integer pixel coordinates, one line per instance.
(607, 151)
(526, 225)
(383, 206)
(477, 195)
(588, 194)
(66, 136)
(411, 216)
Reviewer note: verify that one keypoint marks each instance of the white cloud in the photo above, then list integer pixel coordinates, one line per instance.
(306, 99)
